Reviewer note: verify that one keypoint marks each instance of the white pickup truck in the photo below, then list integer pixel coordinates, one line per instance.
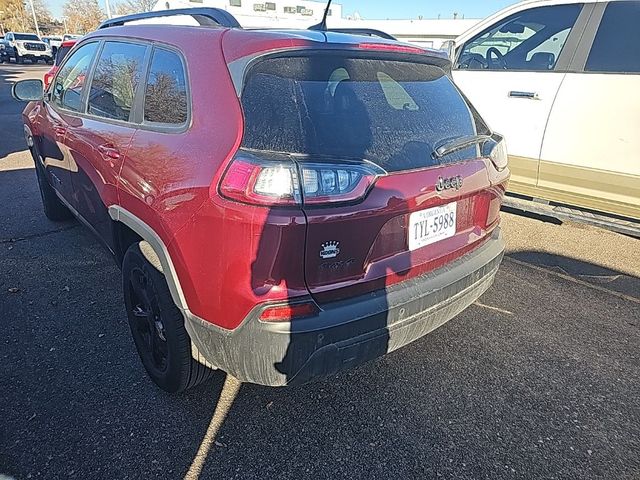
(21, 46)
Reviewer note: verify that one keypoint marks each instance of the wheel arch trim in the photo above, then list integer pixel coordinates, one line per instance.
(119, 214)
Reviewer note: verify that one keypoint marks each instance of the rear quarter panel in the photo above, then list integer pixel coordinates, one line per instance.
(167, 175)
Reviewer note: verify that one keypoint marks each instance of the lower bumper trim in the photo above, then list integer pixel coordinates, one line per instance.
(352, 331)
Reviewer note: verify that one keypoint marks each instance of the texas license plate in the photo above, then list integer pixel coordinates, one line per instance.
(432, 225)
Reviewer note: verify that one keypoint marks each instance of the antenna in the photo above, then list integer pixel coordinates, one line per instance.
(322, 26)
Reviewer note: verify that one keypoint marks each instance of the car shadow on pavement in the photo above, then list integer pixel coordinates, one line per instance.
(538, 379)
(612, 280)
(21, 213)
(11, 138)
(531, 381)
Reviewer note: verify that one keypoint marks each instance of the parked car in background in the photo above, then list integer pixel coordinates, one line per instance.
(560, 80)
(65, 47)
(54, 42)
(342, 200)
(70, 36)
(26, 46)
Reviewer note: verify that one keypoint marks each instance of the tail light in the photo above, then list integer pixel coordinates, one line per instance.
(47, 79)
(284, 182)
(260, 183)
(495, 149)
(325, 183)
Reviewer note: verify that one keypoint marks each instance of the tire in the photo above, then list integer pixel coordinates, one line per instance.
(54, 209)
(157, 325)
(19, 59)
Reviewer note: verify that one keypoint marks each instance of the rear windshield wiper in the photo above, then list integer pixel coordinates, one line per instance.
(460, 143)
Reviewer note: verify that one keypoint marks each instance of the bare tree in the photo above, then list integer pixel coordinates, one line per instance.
(43, 15)
(134, 6)
(82, 16)
(14, 16)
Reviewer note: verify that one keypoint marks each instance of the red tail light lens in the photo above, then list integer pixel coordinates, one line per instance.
(286, 313)
(390, 47)
(267, 182)
(47, 79)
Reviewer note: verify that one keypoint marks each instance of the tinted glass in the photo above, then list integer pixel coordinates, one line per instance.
(390, 112)
(26, 36)
(69, 84)
(115, 80)
(529, 40)
(61, 53)
(615, 48)
(166, 95)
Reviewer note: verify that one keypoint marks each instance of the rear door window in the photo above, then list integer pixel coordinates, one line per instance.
(329, 106)
(615, 47)
(165, 100)
(116, 79)
(70, 82)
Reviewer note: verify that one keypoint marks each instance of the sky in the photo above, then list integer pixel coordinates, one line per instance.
(427, 8)
(373, 9)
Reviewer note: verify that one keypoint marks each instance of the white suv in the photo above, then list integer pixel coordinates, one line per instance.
(560, 80)
(29, 46)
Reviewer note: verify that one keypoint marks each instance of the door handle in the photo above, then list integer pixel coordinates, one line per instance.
(527, 95)
(59, 131)
(109, 152)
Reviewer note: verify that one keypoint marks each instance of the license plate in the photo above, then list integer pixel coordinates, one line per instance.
(432, 225)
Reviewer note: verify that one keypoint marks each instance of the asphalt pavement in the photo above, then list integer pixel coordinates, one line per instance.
(538, 379)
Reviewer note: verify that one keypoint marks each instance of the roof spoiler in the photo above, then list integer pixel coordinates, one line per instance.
(369, 32)
(214, 17)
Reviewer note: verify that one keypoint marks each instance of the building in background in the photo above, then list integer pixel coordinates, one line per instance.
(260, 14)
(431, 33)
(304, 13)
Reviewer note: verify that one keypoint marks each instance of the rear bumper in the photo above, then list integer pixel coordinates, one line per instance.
(349, 332)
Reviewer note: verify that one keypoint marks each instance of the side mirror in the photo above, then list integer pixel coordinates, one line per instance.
(28, 90)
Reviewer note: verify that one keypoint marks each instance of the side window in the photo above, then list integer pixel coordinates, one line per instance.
(67, 90)
(165, 99)
(615, 48)
(529, 40)
(115, 80)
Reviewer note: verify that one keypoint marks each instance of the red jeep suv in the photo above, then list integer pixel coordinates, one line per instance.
(291, 204)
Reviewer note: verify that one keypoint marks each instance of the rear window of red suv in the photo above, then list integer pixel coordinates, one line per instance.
(391, 112)
(61, 53)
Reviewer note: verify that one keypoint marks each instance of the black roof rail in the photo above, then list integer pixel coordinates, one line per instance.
(369, 32)
(204, 16)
